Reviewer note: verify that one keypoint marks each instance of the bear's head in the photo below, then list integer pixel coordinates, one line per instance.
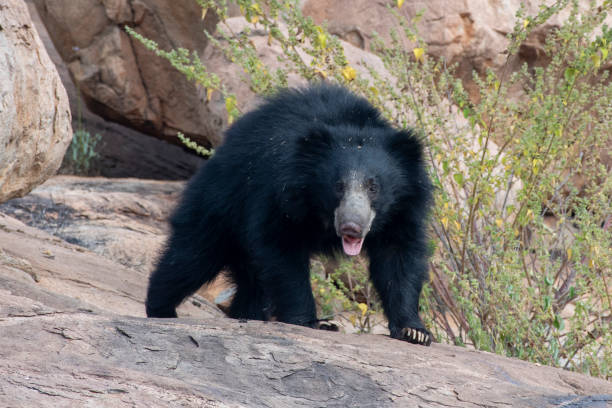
(357, 178)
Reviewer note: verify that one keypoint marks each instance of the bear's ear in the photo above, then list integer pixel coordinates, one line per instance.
(406, 146)
(316, 143)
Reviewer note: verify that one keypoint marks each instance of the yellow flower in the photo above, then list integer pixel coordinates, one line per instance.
(349, 73)
(418, 54)
(321, 37)
(444, 221)
(363, 307)
(230, 107)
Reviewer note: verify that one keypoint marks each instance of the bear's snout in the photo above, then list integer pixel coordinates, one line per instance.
(351, 229)
(354, 215)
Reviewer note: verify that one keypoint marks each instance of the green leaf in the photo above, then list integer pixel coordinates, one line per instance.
(445, 166)
(570, 74)
(458, 178)
(558, 322)
(547, 302)
(548, 280)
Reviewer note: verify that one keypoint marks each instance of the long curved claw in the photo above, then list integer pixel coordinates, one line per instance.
(416, 336)
(322, 325)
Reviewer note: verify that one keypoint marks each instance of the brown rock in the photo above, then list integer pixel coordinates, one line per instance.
(471, 34)
(122, 152)
(234, 78)
(34, 113)
(55, 274)
(123, 220)
(459, 31)
(121, 80)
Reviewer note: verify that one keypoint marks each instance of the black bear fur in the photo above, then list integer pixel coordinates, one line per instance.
(271, 196)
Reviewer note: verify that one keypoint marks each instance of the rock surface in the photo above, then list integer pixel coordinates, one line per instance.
(233, 75)
(34, 113)
(122, 81)
(55, 352)
(471, 33)
(122, 152)
(123, 220)
(67, 358)
(50, 269)
(73, 335)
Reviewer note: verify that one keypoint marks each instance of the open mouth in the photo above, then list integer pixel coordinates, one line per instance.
(351, 245)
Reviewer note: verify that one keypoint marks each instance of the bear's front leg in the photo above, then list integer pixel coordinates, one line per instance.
(398, 275)
(285, 278)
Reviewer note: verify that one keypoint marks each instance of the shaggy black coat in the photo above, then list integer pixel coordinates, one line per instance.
(265, 202)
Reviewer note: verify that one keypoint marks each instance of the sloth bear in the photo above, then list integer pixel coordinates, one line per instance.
(313, 170)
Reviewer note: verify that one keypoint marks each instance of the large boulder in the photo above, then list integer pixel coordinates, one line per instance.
(123, 220)
(119, 78)
(45, 268)
(35, 117)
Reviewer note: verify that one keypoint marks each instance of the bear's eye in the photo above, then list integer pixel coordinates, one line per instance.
(371, 186)
(339, 187)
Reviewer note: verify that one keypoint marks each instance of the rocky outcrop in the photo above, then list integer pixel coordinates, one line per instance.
(122, 152)
(72, 336)
(123, 220)
(34, 113)
(233, 75)
(59, 357)
(122, 81)
(471, 34)
(57, 275)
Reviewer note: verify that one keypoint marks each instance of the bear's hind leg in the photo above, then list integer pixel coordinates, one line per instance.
(286, 279)
(249, 301)
(184, 267)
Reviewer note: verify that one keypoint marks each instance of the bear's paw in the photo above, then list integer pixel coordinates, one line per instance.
(415, 336)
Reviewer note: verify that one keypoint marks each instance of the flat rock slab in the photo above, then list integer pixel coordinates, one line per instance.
(124, 220)
(39, 266)
(78, 359)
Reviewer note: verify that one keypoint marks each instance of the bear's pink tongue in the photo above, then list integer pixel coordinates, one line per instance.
(351, 246)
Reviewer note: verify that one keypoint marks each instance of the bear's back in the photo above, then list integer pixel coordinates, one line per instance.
(293, 113)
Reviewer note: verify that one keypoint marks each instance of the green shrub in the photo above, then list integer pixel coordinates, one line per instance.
(344, 292)
(521, 229)
(82, 151)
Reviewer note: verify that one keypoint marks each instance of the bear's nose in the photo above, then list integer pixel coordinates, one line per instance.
(351, 229)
